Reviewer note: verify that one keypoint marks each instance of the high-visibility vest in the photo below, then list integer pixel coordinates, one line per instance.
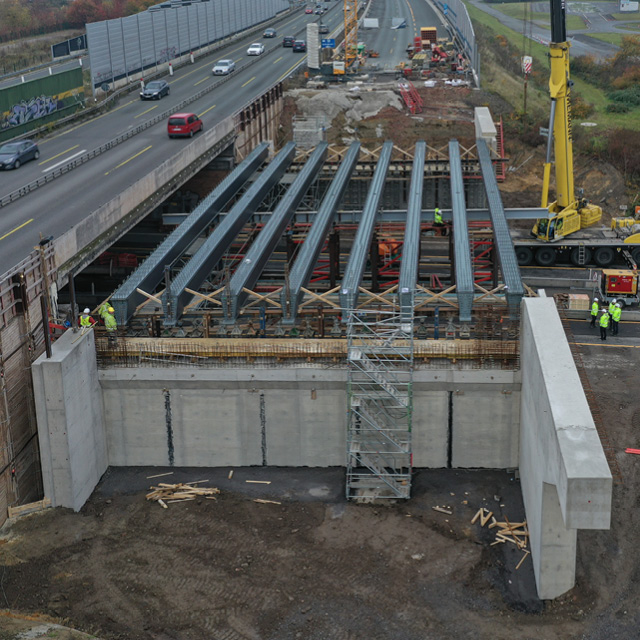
(604, 320)
(594, 309)
(437, 217)
(85, 321)
(617, 313)
(110, 322)
(611, 308)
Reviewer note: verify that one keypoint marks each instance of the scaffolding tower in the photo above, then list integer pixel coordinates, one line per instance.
(379, 393)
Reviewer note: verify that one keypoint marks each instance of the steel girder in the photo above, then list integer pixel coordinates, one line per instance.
(310, 251)
(150, 273)
(461, 248)
(249, 270)
(411, 244)
(502, 237)
(358, 256)
(211, 252)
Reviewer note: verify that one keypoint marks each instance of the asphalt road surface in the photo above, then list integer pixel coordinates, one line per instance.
(56, 207)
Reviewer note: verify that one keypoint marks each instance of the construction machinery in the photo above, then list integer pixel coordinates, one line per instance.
(568, 214)
(620, 285)
(350, 32)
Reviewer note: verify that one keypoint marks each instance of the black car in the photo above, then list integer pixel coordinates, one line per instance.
(13, 154)
(299, 46)
(155, 90)
(322, 28)
(288, 41)
(269, 33)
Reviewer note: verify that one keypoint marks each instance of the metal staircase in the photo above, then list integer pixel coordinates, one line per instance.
(380, 358)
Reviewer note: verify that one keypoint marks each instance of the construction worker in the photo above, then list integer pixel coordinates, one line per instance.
(111, 325)
(103, 310)
(612, 305)
(437, 217)
(594, 311)
(85, 319)
(604, 323)
(615, 319)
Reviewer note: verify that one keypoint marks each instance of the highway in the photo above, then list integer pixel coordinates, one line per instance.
(57, 206)
(392, 43)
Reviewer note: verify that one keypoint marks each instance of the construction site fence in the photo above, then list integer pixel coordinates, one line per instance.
(266, 353)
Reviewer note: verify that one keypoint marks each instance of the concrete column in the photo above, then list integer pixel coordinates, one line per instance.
(71, 432)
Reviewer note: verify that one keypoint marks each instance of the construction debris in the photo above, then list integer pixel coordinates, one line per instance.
(258, 481)
(261, 501)
(636, 451)
(160, 475)
(515, 532)
(441, 510)
(166, 493)
(230, 474)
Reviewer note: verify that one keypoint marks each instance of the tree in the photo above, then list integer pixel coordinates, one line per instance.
(80, 12)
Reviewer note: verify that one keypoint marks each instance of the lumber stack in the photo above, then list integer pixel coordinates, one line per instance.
(165, 493)
(516, 533)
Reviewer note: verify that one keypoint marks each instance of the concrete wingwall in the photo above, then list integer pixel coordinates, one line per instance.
(71, 433)
(565, 478)
(296, 416)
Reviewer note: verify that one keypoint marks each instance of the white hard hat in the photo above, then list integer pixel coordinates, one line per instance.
(595, 299)
(614, 301)
(619, 304)
(87, 310)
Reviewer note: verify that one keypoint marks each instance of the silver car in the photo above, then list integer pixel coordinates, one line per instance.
(224, 67)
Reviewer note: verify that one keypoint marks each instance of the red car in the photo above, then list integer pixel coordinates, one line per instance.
(308, 10)
(183, 124)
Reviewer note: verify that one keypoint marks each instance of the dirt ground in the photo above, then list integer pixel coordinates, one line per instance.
(317, 567)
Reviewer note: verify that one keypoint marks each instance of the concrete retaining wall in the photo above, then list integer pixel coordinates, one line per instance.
(566, 482)
(297, 417)
(73, 448)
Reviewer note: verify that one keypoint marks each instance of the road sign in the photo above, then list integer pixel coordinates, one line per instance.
(446, 9)
(527, 62)
(328, 43)
(544, 132)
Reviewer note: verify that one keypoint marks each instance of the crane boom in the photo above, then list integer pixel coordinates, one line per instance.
(567, 214)
(350, 31)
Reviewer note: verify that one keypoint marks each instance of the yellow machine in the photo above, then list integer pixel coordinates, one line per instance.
(350, 32)
(568, 214)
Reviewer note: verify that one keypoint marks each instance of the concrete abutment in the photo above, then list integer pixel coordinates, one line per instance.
(536, 418)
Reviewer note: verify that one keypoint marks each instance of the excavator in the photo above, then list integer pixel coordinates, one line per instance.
(568, 214)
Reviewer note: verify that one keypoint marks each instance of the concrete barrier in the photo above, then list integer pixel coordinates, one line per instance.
(566, 482)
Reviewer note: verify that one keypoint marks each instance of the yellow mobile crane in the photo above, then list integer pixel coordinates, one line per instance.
(568, 213)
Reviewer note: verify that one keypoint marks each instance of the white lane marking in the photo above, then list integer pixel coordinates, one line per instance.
(57, 164)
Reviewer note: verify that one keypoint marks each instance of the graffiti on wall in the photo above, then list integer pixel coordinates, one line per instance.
(28, 110)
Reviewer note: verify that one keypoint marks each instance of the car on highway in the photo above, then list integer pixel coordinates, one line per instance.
(288, 41)
(224, 67)
(323, 28)
(155, 90)
(299, 46)
(308, 10)
(255, 49)
(269, 33)
(14, 154)
(183, 125)
(319, 11)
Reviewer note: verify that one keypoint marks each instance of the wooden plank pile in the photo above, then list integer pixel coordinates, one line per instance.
(516, 533)
(165, 494)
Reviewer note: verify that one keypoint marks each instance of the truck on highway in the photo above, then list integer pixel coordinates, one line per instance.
(600, 246)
